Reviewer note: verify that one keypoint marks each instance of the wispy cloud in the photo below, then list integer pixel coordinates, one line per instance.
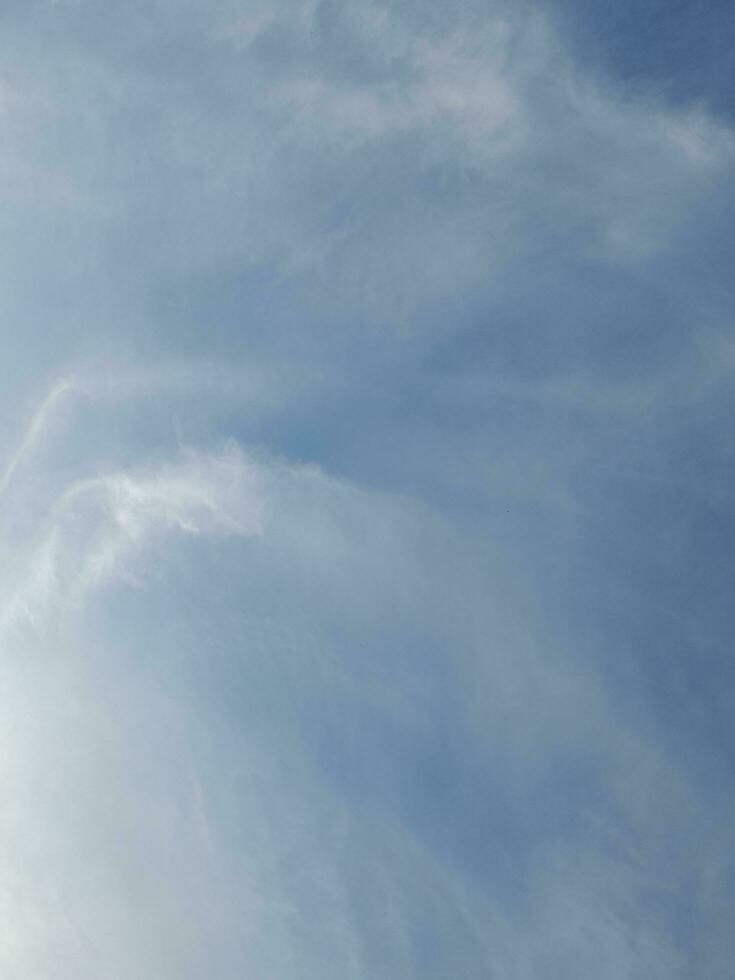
(35, 429)
(364, 576)
(94, 525)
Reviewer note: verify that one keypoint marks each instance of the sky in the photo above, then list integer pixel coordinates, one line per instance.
(366, 526)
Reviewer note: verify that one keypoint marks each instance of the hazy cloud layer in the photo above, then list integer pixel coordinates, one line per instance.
(365, 514)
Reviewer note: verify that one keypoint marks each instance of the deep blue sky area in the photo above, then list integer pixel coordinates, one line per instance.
(678, 50)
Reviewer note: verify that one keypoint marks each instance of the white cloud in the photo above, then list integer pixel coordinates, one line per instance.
(97, 525)
(195, 744)
(91, 528)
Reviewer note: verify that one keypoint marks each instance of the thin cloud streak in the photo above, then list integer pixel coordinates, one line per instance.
(36, 428)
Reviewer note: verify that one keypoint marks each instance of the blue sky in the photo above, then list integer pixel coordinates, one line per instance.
(366, 525)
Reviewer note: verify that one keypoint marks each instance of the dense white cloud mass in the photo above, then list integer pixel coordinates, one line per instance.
(365, 509)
